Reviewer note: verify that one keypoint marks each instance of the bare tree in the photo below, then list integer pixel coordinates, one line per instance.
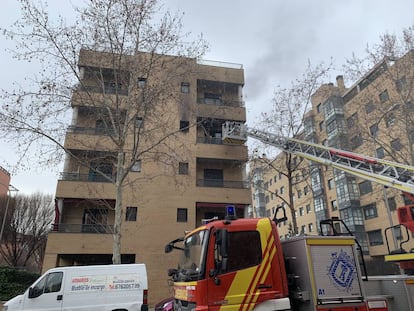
(127, 89)
(387, 69)
(27, 224)
(286, 119)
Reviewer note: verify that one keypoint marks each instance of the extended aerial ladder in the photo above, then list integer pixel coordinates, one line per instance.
(387, 173)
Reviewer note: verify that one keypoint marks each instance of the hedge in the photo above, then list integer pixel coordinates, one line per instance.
(14, 282)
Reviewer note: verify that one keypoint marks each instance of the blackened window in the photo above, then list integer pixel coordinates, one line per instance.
(184, 126)
(244, 250)
(380, 152)
(373, 130)
(183, 168)
(181, 215)
(131, 213)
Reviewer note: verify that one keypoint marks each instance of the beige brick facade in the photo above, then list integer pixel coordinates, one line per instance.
(169, 198)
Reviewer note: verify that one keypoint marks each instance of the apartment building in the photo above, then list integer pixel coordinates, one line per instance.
(192, 175)
(373, 117)
(4, 181)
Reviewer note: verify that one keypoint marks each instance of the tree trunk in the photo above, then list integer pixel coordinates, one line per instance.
(116, 247)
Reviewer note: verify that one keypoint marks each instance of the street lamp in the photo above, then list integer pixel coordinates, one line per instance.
(384, 192)
(11, 188)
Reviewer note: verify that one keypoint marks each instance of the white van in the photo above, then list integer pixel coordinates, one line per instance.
(103, 288)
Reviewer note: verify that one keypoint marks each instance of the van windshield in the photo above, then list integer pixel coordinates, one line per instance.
(192, 261)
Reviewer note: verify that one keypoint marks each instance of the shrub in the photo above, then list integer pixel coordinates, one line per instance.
(14, 282)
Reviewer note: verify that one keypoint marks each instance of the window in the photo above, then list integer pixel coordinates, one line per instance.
(184, 126)
(50, 283)
(392, 205)
(282, 190)
(373, 130)
(301, 211)
(142, 82)
(370, 211)
(131, 213)
(266, 185)
(308, 209)
(396, 144)
(356, 141)
(380, 152)
(401, 84)
(352, 121)
(275, 178)
(334, 205)
(185, 87)
(384, 96)
(95, 220)
(310, 227)
(319, 107)
(299, 194)
(181, 215)
(280, 175)
(213, 178)
(303, 229)
(397, 233)
(331, 184)
(136, 168)
(369, 107)
(244, 250)
(365, 187)
(267, 199)
(138, 122)
(183, 168)
(306, 190)
(270, 181)
(390, 119)
(375, 238)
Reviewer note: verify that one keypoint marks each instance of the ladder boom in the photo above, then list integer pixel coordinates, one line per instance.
(390, 174)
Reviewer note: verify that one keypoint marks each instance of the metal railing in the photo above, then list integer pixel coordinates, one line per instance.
(82, 228)
(89, 130)
(210, 140)
(218, 183)
(110, 90)
(220, 102)
(92, 177)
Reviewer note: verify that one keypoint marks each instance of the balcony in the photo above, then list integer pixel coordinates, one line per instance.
(220, 102)
(89, 130)
(82, 228)
(92, 177)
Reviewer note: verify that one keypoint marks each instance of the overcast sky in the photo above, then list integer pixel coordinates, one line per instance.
(272, 39)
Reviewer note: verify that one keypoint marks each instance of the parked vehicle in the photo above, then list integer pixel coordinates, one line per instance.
(103, 288)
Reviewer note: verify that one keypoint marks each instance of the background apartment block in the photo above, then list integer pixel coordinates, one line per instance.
(207, 176)
(373, 117)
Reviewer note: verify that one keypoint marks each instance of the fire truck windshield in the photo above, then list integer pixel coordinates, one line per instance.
(192, 260)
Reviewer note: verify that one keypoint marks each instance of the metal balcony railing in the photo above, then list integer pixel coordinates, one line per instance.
(89, 130)
(110, 90)
(223, 183)
(92, 177)
(210, 140)
(82, 228)
(220, 102)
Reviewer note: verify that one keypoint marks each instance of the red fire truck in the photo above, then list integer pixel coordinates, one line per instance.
(241, 264)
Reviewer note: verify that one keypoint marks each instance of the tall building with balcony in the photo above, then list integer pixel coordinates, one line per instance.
(162, 198)
(373, 117)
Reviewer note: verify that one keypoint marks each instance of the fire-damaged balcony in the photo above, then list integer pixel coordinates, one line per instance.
(83, 216)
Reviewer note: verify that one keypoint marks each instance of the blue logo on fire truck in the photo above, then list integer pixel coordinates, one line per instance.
(342, 271)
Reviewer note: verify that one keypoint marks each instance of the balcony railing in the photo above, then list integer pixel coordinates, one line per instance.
(210, 140)
(218, 183)
(92, 177)
(82, 228)
(89, 130)
(106, 90)
(220, 102)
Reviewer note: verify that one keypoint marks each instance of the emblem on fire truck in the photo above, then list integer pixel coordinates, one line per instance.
(342, 270)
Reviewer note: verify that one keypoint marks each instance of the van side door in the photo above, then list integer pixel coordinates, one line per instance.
(46, 294)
